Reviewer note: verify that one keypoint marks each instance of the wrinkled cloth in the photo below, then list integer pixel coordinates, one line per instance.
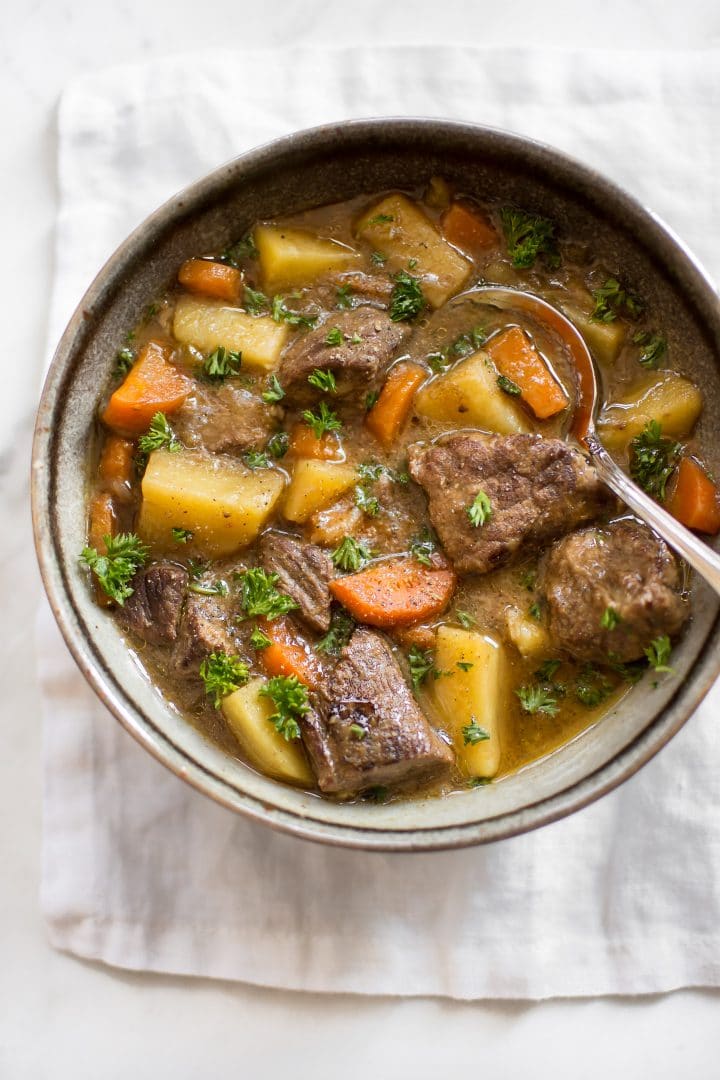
(141, 871)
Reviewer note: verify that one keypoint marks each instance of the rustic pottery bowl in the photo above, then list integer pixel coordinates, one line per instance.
(303, 170)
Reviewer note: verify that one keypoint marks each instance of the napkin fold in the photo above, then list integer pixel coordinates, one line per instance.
(141, 871)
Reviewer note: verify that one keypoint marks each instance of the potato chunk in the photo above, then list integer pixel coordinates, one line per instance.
(528, 636)
(670, 399)
(248, 716)
(223, 504)
(314, 484)
(295, 257)
(471, 695)
(468, 396)
(399, 228)
(605, 340)
(207, 324)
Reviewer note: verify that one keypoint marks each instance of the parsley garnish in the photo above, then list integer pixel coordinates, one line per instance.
(654, 347)
(337, 637)
(324, 420)
(465, 619)
(421, 663)
(323, 380)
(377, 258)
(528, 578)
(259, 639)
(241, 249)
(334, 336)
(366, 502)
(290, 698)
(281, 313)
(222, 364)
(464, 665)
(256, 459)
(351, 555)
(181, 536)
(537, 699)
(277, 445)
(358, 731)
(256, 302)
(527, 236)
(535, 611)
(158, 436)
(508, 386)
(124, 360)
(274, 391)
(591, 687)
(343, 297)
(479, 781)
(547, 670)
(479, 510)
(437, 362)
(371, 400)
(423, 546)
(377, 793)
(196, 568)
(259, 595)
(124, 556)
(609, 619)
(218, 588)
(381, 219)
(222, 675)
(473, 733)
(652, 459)
(406, 299)
(612, 300)
(658, 653)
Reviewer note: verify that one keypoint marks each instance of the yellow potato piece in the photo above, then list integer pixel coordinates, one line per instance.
(248, 716)
(410, 235)
(207, 324)
(468, 396)
(670, 399)
(315, 484)
(223, 504)
(295, 257)
(473, 695)
(528, 636)
(605, 340)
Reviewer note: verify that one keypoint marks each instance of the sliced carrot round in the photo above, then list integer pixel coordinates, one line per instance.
(395, 593)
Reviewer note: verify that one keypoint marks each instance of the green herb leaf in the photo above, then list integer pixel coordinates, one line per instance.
(508, 386)
(366, 502)
(258, 639)
(377, 793)
(406, 299)
(256, 459)
(464, 665)
(351, 555)
(612, 300)
(259, 594)
(290, 698)
(421, 663)
(591, 687)
(281, 313)
(337, 637)
(653, 459)
(217, 588)
(381, 219)
(159, 436)
(274, 391)
(537, 699)
(423, 546)
(473, 733)
(222, 364)
(437, 362)
(222, 675)
(547, 670)
(527, 236)
(658, 653)
(277, 445)
(610, 619)
(378, 258)
(256, 302)
(334, 336)
(343, 297)
(528, 578)
(125, 555)
(465, 619)
(358, 731)
(322, 421)
(124, 360)
(241, 249)
(323, 380)
(479, 510)
(535, 611)
(371, 400)
(479, 781)
(196, 568)
(181, 536)
(654, 348)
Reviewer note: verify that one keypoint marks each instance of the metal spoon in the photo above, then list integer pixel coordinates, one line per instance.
(695, 552)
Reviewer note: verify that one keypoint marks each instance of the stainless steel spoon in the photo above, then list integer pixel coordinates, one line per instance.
(697, 553)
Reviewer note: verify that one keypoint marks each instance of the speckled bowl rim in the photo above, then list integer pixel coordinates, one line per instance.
(697, 286)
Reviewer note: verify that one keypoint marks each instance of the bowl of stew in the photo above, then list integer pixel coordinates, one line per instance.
(307, 506)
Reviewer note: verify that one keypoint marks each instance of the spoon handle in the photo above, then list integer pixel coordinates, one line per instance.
(696, 552)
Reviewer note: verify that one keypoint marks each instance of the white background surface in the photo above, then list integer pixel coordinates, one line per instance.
(63, 1018)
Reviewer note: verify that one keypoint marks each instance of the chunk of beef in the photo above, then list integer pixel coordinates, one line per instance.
(224, 417)
(153, 610)
(538, 489)
(361, 288)
(623, 568)
(367, 728)
(203, 630)
(370, 338)
(303, 571)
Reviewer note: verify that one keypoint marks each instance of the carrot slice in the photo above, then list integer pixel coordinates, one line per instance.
(516, 357)
(388, 416)
(694, 498)
(103, 522)
(116, 463)
(395, 593)
(287, 654)
(211, 279)
(152, 385)
(468, 229)
(304, 443)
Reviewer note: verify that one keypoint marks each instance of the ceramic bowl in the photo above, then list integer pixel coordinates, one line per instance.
(303, 170)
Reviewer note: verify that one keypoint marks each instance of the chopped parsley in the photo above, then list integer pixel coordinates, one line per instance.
(423, 546)
(124, 360)
(281, 313)
(479, 781)
(337, 637)
(259, 639)
(366, 502)
(508, 386)
(217, 588)
(437, 362)
(323, 380)
(343, 297)
(256, 459)
(535, 611)
(334, 336)
(653, 458)
(260, 596)
(465, 619)
(591, 687)
(159, 436)
(371, 400)
(421, 662)
(124, 556)
(464, 665)
(222, 364)
(290, 698)
(381, 219)
(610, 619)
(358, 731)
(241, 249)
(277, 445)
(480, 510)
(181, 536)
(322, 421)
(468, 343)
(377, 793)
(473, 733)
(537, 699)
(351, 554)
(406, 300)
(378, 258)
(658, 653)
(527, 236)
(613, 300)
(653, 348)
(528, 578)
(256, 302)
(196, 568)
(274, 391)
(547, 670)
(222, 675)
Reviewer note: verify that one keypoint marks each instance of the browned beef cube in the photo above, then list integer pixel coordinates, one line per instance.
(225, 417)
(303, 571)
(610, 591)
(367, 729)
(538, 489)
(203, 630)
(153, 610)
(369, 341)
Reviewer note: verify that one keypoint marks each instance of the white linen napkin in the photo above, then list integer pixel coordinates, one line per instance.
(141, 871)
